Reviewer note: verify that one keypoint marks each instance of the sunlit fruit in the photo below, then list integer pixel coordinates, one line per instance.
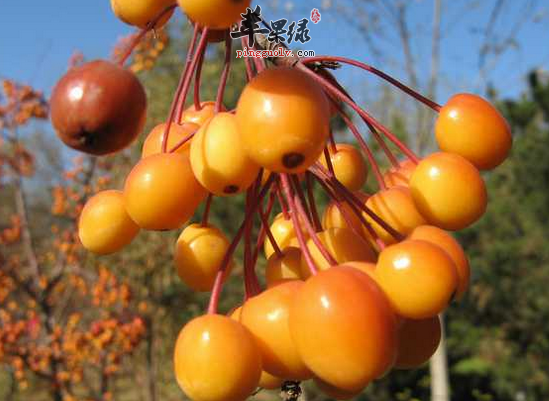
(344, 328)
(349, 165)
(283, 116)
(216, 359)
(334, 392)
(215, 14)
(270, 382)
(399, 176)
(104, 225)
(218, 159)
(199, 253)
(161, 192)
(284, 267)
(366, 267)
(343, 244)
(283, 231)
(98, 108)
(396, 207)
(199, 117)
(448, 191)
(449, 244)
(473, 128)
(417, 342)
(266, 316)
(418, 277)
(141, 12)
(153, 143)
(333, 217)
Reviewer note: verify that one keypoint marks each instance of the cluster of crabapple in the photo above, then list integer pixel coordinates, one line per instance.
(350, 295)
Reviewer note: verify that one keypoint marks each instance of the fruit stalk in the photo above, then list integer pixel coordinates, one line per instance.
(312, 202)
(224, 74)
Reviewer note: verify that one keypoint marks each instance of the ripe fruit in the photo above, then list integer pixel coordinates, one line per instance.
(283, 231)
(397, 208)
(218, 160)
(283, 268)
(266, 316)
(334, 392)
(448, 191)
(215, 14)
(199, 252)
(104, 225)
(364, 267)
(334, 218)
(153, 143)
(140, 12)
(449, 244)
(343, 328)
(349, 165)
(343, 244)
(399, 176)
(98, 108)
(419, 278)
(283, 116)
(270, 382)
(417, 342)
(161, 192)
(471, 127)
(199, 117)
(216, 359)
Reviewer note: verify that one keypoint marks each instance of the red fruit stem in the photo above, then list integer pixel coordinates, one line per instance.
(328, 158)
(365, 148)
(207, 208)
(250, 279)
(249, 67)
(188, 60)
(135, 42)
(218, 284)
(262, 233)
(426, 101)
(333, 145)
(299, 192)
(281, 201)
(268, 232)
(197, 81)
(312, 202)
(344, 98)
(183, 141)
(225, 73)
(286, 187)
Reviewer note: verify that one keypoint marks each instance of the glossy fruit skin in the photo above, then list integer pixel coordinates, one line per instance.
(98, 108)
(270, 382)
(283, 231)
(333, 217)
(343, 244)
(216, 359)
(153, 142)
(452, 247)
(365, 267)
(161, 192)
(417, 342)
(140, 12)
(472, 127)
(215, 14)
(199, 252)
(284, 117)
(334, 392)
(266, 316)
(344, 328)
(283, 268)
(349, 165)
(448, 191)
(104, 226)
(419, 278)
(218, 159)
(199, 117)
(399, 176)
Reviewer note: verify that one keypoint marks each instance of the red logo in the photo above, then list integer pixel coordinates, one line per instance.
(315, 16)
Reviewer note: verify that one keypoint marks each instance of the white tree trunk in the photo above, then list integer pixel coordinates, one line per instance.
(440, 385)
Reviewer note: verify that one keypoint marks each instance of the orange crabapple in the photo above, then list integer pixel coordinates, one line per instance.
(334, 218)
(283, 231)
(349, 165)
(417, 342)
(215, 14)
(334, 392)
(199, 117)
(283, 268)
(153, 142)
(270, 382)
(141, 12)
(399, 176)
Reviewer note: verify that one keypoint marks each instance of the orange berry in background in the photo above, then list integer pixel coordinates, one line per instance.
(343, 244)
(199, 117)
(448, 191)
(215, 14)
(266, 316)
(452, 247)
(218, 160)
(284, 118)
(334, 392)
(396, 207)
(334, 218)
(419, 278)
(365, 267)
(161, 192)
(153, 143)
(104, 226)
(283, 268)
(344, 328)
(216, 359)
(270, 382)
(283, 231)
(472, 127)
(199, 252)
(236, 314)
(417, 342)
(349, 165)
(140, 12)
(399, 176)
